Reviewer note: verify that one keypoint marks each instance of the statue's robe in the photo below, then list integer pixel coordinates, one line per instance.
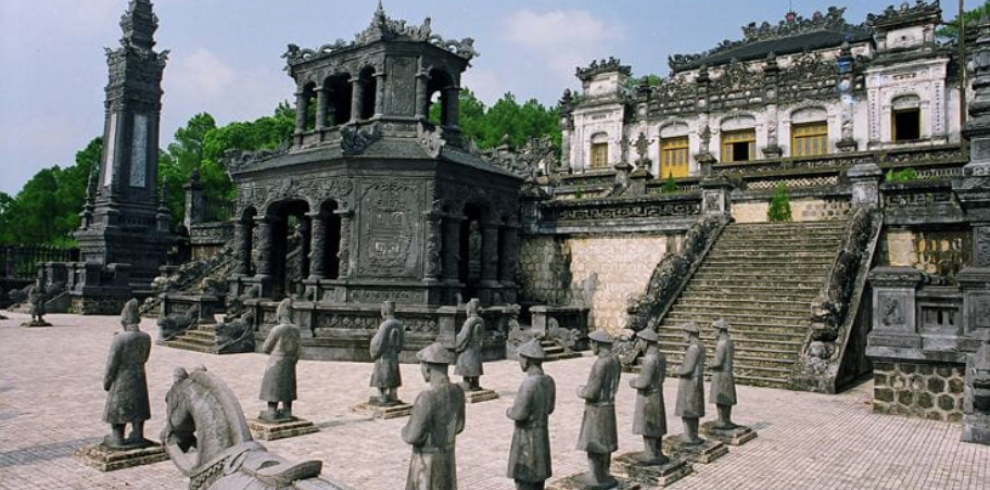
(437, 417)
(598, 429)
(125, 380)
(650, 417)
(283, 347)
(468, 345)
(723, 389)
(384, 349)
(529, 456)
(36, 302)
(691, 387)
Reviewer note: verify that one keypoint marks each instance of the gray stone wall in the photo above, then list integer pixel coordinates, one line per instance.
(943, 252)
(930, 391)
(545, 270)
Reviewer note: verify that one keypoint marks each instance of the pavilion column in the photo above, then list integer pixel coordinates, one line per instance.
(422, 101)
(509, 254)
(266, 247)
(305, 228)
(379, 94)
(357, 99)
(452, 105)
(242, 248)
(344, 252)
(302, 109)
(489, 253)
(451, 249)
(317, 248)
(432, 269)
(322, 102)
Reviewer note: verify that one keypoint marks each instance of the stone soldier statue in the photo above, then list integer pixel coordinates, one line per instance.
(385, 348)
(529, 458)
(650, 418)
(468, 344)
(36, 300)
(723, 389)
(599, 437)
(437, 417)
(125, 382)
(283, 347)
(691, 387)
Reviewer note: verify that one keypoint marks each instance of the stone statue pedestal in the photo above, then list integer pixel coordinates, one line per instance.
(576, 482)
(707, 451)
(479, 396)
(270, 430)
(630, 466)
(377, 410)
(736, 436)
(35, 323)
(106, 458)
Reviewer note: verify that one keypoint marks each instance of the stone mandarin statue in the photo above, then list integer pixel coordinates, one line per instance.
(650, 417)
(283, 347)
(529, 456)
(468, 344)
(691, 387)
(385, 348)
(723, 388)
(437, 417)
(36, 302)
(125, 382)
(599, 437)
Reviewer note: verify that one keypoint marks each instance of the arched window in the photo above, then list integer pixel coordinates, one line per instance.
(905, 118)
(674, 152)
(337, 99)
(369, 92)
(809, 132)
(442, 99)
(738, 139)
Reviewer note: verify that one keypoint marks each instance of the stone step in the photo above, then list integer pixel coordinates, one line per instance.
(797, 285)
(744, 297)
(677, 318)
(768, 262)
(776, 349)
(196, 340)
(792, 229)
(207, 335)
(781, 383)
(184, 345)
(675, 334)
(756, 314)
(761, 306)
(769, 275)
(783, 243)
(739, 326)
(750, 251)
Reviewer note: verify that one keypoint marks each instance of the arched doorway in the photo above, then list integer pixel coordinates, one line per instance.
(289, 228)
(471, 240)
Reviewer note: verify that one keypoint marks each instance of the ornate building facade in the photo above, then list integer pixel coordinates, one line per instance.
(803, 87)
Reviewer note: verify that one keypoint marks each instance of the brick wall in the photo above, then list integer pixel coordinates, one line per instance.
(930, 391)
(803, 209)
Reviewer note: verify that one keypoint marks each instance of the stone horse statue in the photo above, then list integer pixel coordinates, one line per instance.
(208, 439)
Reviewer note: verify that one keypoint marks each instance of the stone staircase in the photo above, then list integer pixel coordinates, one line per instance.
(761, 278)
(556, 352)
(201, 338)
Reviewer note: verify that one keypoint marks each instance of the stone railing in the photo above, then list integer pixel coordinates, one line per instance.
(920, 202)
(834, 311)
(617, 212)
(21, 261)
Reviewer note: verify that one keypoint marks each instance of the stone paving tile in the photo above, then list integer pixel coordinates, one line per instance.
(51, 402)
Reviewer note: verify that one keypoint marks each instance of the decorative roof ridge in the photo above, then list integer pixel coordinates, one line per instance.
(598, 67)
(384, 28)
(792, 25)
(906, 13)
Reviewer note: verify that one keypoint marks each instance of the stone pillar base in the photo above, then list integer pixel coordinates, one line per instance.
(376, 410)
(479, 396)
(630, 466)
(272, 430)
(736, 436)
(105, 458)
(704, 453)
(576, 482)
(35, 323)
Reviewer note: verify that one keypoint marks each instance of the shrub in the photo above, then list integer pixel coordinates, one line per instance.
(904, 175)
(780, 205)
(670, 185)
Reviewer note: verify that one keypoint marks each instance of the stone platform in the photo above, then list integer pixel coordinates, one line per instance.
(105, 458)
(479, 396)
(703, 453)
(736, 436)
(33, 324)
(270, 431)
(383, 412)
(574, 482)
(628, 466)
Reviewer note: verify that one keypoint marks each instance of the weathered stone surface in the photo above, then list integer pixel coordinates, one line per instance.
(480, 396)
(105, 458)
(704, 453)
(576, 482)
(735, 436)
(374, 410)
(273, 430)
(630, 466)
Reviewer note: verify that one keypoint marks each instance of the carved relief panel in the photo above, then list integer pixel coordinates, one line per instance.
(390, 228)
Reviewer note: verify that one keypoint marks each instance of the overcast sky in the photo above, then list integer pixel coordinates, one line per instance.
(225, 54)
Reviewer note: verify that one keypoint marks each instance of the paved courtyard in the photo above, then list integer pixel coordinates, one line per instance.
(51, 403)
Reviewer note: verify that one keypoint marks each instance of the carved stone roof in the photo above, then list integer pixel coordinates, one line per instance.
(907, 14)
(791, 35)
(604, 66)
(384, 28)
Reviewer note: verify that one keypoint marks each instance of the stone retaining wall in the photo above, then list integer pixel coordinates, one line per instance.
(930, 391)
(802, 209)
(942, 252)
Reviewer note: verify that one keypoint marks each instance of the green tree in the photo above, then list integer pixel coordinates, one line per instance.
(950, 30)
(487, 126)
(780, 205)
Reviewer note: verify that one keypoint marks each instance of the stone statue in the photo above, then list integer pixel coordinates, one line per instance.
(36, 300)
(650, 418)
(208, 439)
(691, 387)
(723, 389)
(385, 348)
(468, 344)
(283, 347)
(125, 383)
(529, 457)
(599, 437)
(437, 417)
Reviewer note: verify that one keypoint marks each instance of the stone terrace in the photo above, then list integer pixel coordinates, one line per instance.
(51, 403)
